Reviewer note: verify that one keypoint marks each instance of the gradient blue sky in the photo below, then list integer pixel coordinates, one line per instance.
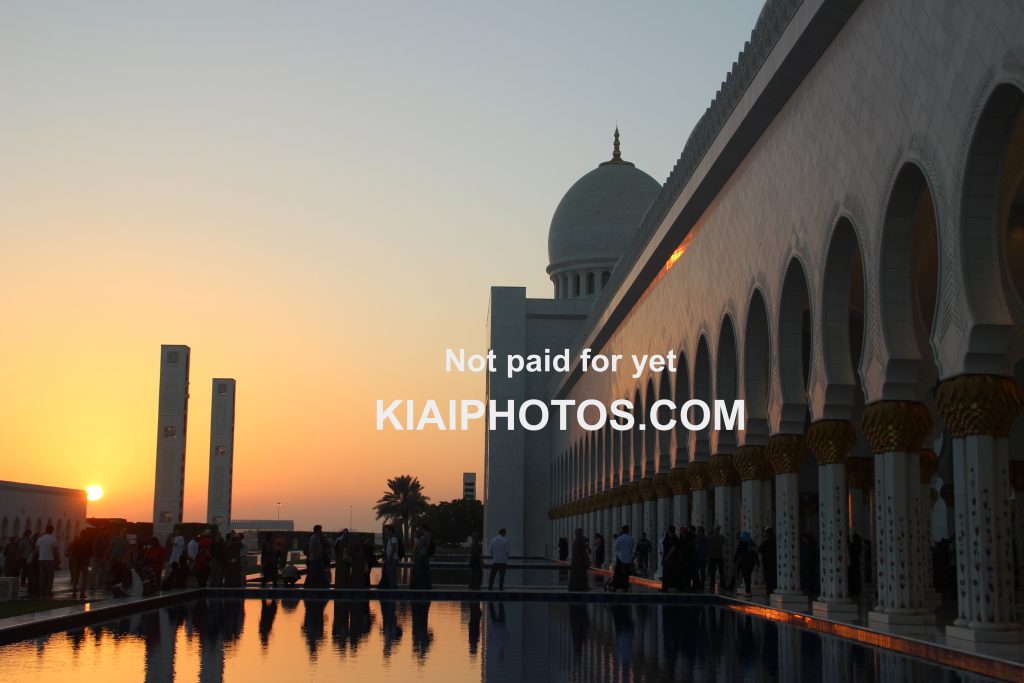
(315, 197)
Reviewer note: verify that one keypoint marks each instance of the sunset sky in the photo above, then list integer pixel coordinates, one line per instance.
(315, 197)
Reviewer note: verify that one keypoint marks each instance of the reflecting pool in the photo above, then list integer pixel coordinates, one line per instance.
(304, 640)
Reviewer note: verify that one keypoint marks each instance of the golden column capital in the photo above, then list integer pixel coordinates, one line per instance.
(1017, 474)
(622, 495)
(979, 405)
(722, 471)
(662, 488)
(678, 481)
(697, 473)
(896, 426)
(830, 441)
(857, 473)
(646, 487)
(929, 465)
(751, 463)
(785, 452)
(633, 494)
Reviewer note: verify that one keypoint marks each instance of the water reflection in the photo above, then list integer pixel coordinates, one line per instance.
(491, 642)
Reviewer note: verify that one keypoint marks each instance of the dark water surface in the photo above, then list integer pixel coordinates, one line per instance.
(319, 640)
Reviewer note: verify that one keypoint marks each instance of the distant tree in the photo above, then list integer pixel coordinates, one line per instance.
(453, 521)
(403, 503)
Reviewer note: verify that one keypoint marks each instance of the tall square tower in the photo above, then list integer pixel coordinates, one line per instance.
(222, 453)
(172, 420)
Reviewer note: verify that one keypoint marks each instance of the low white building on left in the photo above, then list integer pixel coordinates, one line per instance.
(32, 506)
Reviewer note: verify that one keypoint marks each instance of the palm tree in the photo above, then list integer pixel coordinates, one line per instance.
(403, 503)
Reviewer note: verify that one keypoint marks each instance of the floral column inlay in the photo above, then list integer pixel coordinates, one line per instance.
(785, 452)
(830, 441)
(979, 411)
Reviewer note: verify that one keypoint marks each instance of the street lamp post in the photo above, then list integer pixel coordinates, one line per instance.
(350, 518)
(279, 512)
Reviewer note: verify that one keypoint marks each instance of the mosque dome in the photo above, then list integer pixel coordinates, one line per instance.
(595, 223)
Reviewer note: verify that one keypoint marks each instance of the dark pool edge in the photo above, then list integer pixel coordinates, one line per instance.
(38, 624)
(936, 653)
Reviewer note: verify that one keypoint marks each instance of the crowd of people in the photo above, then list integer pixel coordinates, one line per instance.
(108, 559)
(692, 560)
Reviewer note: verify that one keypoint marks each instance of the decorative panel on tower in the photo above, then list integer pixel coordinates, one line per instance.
(172, 419)
(222, 451)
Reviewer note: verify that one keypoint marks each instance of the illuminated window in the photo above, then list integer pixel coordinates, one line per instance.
(170, 432)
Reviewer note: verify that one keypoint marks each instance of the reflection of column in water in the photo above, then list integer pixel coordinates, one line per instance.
(835, 659)
(789, 653)
(649, 619)
(160, 650)
(496, 667)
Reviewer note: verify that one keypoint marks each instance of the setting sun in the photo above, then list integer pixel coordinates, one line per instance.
(94, 492)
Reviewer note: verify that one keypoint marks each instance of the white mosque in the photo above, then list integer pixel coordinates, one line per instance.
(841, 246)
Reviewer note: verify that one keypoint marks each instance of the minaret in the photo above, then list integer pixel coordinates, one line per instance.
(172, 420)
(222, 453)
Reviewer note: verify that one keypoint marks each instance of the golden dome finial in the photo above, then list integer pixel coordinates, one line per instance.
(616, 152)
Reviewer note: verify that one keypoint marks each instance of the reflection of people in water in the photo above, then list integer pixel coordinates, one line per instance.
(579, 626)
(390, 630)
(622, 620)
(313, 625)
(497, 630)
(422, 636)
(474, 626)
(351, 625)
(268, 611)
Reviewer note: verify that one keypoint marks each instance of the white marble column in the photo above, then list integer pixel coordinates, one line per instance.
(785, 451)
(664, 512)
(830, 441)
(649, 524)
(679, 483)
(756, 505)
(697, 473)
(727, 503)
(928, 463)
(895, 430)
(1017, 480)
(979, 411)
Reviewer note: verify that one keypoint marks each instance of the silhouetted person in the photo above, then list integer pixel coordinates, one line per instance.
(716, 559)
(563, 549)
(643, 554)
(499, 561)
(579, 562)
(48, 550)
(745, 559)
(268, 562)
(624, 547)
